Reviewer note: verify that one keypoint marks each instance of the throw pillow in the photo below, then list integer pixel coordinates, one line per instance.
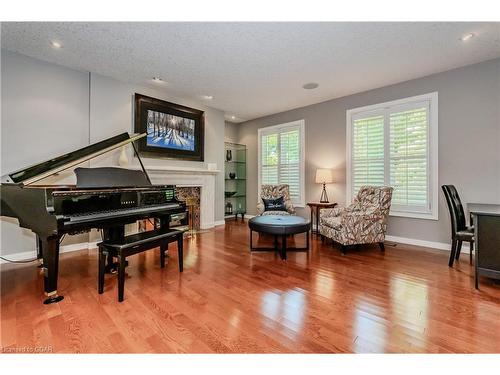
(272, 204)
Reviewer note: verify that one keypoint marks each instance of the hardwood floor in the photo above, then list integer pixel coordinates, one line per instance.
(229, 300)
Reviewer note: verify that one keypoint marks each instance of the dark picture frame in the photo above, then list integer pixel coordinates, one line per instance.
(174, 131)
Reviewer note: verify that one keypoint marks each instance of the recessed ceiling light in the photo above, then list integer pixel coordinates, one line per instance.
(157, 79)
(310, 86)
(466, 37)
(207, 97)
(55, 44)
(233, 117)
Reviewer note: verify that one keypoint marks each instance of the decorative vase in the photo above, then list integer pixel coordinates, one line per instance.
(123, 159)
(229, 155)
(232, 175)
(229, 208)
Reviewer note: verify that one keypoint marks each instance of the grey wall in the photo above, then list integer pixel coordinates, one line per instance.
(231, 132)
(48, 109)
(469, 135)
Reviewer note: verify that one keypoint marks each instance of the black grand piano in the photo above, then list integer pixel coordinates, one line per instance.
(104, 198)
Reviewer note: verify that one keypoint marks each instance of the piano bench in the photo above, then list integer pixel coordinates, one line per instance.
(134, 244)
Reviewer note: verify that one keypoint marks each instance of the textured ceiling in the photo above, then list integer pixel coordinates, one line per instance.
(255, 69)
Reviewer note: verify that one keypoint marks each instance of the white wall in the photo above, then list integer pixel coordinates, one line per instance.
(48, 109)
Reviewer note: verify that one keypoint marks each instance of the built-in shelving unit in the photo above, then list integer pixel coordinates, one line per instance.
(235, 170)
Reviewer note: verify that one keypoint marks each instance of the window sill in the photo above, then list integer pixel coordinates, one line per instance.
(415, 215)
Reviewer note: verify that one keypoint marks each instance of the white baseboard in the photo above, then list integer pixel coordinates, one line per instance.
(249, 216)
(220, 222)
(431, 244)
(92, 245)
(27, 255)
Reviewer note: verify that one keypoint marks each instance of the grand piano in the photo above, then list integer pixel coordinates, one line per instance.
(104, 198)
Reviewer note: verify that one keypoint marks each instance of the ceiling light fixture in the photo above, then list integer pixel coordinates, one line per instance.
(207, 97)
(310, 86)
(55, 44)
(466, 37)
(233, 117)
(157, 79)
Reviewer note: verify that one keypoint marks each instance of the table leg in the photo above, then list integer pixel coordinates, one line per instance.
(317, 219)
(283, 247)
(180, 251)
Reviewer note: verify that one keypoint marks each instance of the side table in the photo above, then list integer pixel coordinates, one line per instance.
(315, 209)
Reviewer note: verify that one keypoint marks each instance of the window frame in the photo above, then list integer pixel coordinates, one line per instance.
(432, 150)
(277, 129)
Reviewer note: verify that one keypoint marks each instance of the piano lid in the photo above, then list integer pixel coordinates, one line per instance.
(50, 167)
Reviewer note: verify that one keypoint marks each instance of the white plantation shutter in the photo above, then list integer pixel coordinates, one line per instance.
(281, 159)
(368, 152)
(395, 144)
(409, 164)
(290, 161)
(269, 159)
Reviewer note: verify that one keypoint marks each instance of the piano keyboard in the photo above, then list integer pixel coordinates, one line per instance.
(109, 214)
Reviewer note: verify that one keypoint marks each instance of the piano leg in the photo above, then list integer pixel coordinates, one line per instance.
(50, 253)
(39, 254)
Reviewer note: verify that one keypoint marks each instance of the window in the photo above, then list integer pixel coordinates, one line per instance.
(395, 144)
(281, 158)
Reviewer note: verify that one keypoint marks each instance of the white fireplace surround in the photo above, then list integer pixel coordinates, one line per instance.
(190, 177)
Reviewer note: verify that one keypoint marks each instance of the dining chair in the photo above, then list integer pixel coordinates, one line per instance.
(459, 230)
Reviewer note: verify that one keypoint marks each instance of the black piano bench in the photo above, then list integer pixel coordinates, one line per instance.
(134, 244)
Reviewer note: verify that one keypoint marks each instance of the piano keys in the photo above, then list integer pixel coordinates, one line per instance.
(103, 198)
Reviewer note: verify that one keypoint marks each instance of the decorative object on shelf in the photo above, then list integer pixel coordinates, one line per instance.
(324, 176)
(123, 159)
(229, 193)
(229, 208)
(173, 130)
(232, 175)
(229, 155)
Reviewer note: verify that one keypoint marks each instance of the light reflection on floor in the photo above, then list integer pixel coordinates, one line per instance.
(285, 309)
(324, 284)
(370, 332)
(191, 255)
(411, 295)
(410, 320)
(404, 319)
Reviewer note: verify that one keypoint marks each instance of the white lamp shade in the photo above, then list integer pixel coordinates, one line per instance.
(324, 176)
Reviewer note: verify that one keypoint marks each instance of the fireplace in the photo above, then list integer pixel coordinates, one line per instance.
(195, 183)
(191, 195)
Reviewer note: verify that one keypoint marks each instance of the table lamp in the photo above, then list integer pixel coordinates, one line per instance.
(324, 176)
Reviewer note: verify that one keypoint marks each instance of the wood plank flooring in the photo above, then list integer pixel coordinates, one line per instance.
(228, 300)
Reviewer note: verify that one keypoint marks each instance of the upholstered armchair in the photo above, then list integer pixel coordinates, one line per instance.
(364, 221)
(274, 192)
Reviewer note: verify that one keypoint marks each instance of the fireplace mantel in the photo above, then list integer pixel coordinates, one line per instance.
(180, 169)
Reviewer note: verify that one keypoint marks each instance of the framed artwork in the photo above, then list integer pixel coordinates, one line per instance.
(173, 130)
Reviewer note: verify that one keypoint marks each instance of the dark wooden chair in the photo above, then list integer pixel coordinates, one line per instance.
(134, 244)
(460, 232)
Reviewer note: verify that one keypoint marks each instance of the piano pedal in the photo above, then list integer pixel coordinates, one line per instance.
(53, 299)
(113, 268)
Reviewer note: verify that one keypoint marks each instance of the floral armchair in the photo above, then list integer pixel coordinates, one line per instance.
(364, 221)
(273, 192)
